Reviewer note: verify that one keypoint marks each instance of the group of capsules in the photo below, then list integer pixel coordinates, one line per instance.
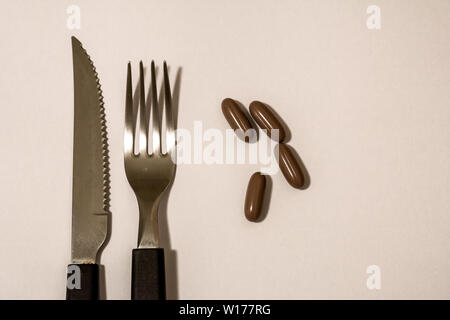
(289, 162)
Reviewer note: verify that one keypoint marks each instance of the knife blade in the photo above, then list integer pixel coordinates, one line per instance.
(90, 190)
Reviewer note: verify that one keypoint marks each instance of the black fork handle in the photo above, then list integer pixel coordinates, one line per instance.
(148, 276)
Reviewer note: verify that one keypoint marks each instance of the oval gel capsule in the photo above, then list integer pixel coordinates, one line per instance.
(267, 119)
(289, 166)
(254, 198)
(237, 118)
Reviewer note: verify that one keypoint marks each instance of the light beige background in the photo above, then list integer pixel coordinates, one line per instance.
(369, 114)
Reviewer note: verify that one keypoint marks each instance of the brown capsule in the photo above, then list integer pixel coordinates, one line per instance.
(290, 166)
(255, 197)
(267, 119)
(237, 118)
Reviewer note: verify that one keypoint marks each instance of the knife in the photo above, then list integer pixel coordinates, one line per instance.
(90, 191)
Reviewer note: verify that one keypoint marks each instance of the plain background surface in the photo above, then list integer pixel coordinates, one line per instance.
(369, 115)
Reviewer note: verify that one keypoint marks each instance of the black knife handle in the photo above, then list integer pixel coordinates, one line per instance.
(148, 277)
(82, 282)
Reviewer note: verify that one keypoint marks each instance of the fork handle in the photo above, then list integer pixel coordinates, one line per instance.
(148, 277)
(82, 282)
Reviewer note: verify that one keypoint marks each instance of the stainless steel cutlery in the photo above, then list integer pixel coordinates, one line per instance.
(149, 173)
(90, 192)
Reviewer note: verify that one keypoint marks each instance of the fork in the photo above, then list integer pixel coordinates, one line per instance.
(149, 173)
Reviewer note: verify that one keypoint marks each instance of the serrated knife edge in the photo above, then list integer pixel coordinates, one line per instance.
(104, 133)
(91, 187)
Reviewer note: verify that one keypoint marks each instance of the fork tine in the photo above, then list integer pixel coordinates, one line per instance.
(170, 130)
(129, 121)
(143, 123)
(155, 113)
